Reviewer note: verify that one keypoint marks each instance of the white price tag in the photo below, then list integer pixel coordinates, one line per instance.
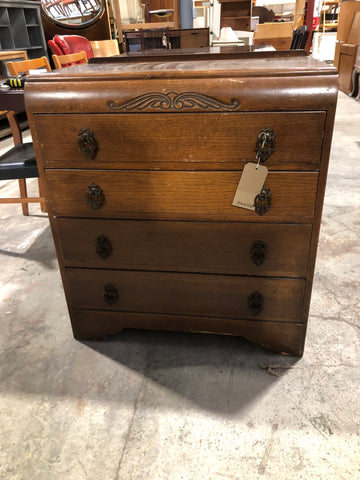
(251, 183)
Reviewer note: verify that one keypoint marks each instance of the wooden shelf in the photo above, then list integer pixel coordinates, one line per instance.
(21, 28)
(236, 14)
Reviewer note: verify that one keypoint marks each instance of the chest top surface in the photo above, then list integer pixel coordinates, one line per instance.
(262, 84)
(290, 66)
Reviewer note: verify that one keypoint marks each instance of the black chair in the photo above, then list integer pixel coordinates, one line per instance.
(19, 163)
(299, 38)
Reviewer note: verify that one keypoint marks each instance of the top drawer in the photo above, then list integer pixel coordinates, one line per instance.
(202, 141)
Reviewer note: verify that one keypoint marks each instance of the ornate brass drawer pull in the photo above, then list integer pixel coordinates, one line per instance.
(110, 294)
(265, 144)
(258, 252)
(103, 247)
(87, 143)
(255, 302)
(262, 201)
(95, 196)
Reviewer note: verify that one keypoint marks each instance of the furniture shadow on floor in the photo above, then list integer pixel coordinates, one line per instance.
(218, 373)
(33, 245)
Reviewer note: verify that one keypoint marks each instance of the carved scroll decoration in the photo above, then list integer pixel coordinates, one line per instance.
(172, 102)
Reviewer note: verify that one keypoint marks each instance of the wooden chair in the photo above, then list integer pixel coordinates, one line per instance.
(19, 163)
(61, 61)
(17, 68)
(105, 48)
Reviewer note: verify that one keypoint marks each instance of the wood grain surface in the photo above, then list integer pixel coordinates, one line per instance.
(279, 337)
(212, 247)
(173, 137)
(187, 294)
(179, 195)
(168, 141)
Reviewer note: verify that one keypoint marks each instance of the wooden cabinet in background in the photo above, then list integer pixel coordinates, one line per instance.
(236, 14)
(347, 55)
(163, 9)
(177, 38)
(276, 34)
(348, 9)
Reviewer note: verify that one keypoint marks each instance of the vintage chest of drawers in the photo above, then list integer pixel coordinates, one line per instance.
(141, 163)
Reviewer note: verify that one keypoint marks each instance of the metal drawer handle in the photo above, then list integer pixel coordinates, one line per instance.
(110, 294)
(262, 201)
(258, 252)
(255, 302)
(95, 196)
(87, 143)
(103, 247)
(265, 144)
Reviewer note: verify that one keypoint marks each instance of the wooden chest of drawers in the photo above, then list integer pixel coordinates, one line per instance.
(141, 163)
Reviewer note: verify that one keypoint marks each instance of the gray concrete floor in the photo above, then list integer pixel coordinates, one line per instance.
(168, 406)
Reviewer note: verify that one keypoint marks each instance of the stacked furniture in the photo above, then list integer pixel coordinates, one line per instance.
(356, 76)
(347, 55)
(329, 15)
(277, 34)
(176, 38)
(140, 193)
(347, 12)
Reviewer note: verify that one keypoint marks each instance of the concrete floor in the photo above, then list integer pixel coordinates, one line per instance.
(167, 406)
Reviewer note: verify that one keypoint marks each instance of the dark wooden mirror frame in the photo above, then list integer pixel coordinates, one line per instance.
(96, 29)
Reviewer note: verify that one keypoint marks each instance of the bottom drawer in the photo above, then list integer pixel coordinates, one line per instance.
(277, 337)
(221, 296)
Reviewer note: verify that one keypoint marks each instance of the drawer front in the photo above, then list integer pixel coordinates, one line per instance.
(212, 247)
(194, 38)
(223, 141)
(187, 294)
(177, 195)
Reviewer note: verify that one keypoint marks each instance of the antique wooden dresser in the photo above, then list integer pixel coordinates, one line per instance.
(141, 163)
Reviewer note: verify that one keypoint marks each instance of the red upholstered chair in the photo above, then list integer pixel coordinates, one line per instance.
(67, 44)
